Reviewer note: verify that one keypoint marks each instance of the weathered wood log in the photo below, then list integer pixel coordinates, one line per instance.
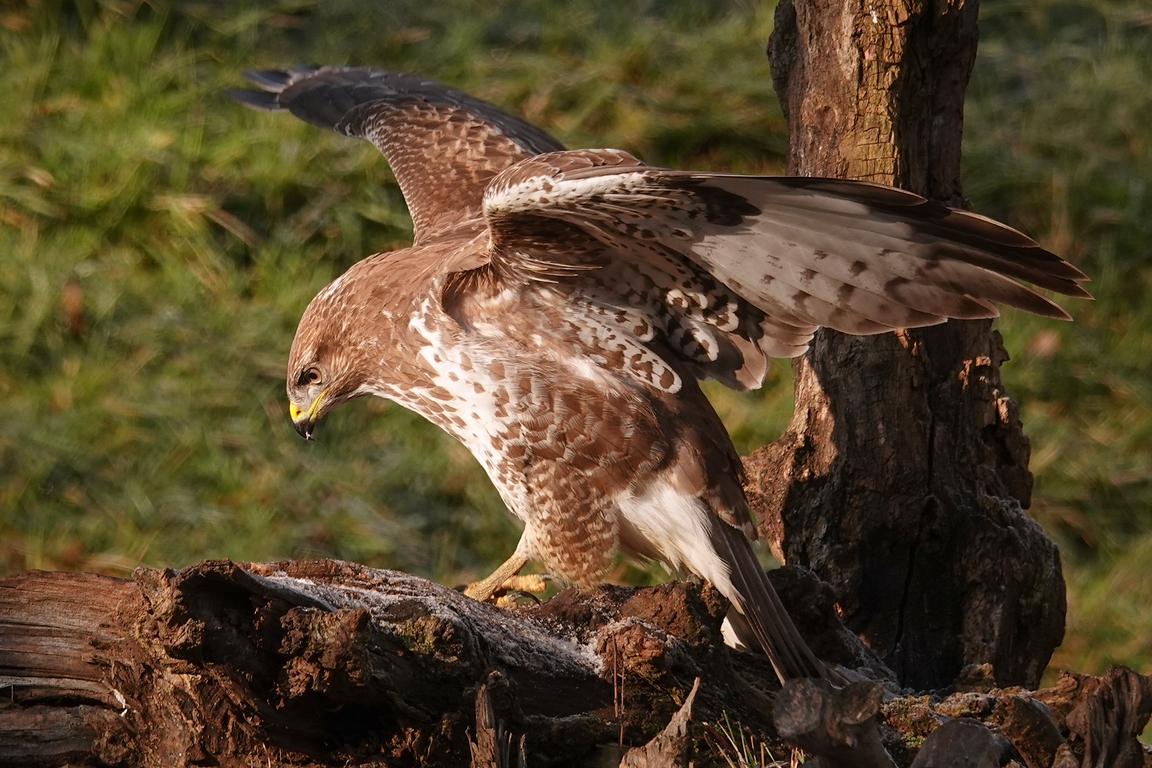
(902, 477)
(838, 725)
(1109, 714)
(321, 663)
(1080, 721)
(493, 745)
(963, 743)
(672, 747)
(1028, 725)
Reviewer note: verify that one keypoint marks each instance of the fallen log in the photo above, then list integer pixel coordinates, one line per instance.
(321, 663)
(836, 724)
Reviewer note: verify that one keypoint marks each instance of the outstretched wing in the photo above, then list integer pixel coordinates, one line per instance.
(444, 146)
(727, 269)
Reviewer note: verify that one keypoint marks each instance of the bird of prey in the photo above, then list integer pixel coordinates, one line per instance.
(558, 308)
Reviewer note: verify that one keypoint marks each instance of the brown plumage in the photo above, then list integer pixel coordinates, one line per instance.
(558, 307)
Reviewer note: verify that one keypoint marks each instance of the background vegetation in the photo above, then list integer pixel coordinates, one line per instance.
(158, 244)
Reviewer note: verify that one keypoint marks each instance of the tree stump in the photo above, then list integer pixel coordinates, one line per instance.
(902, 478)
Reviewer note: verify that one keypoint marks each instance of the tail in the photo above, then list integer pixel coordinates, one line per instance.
(759, 617)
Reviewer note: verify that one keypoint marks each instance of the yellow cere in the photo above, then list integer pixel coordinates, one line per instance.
(296, 412)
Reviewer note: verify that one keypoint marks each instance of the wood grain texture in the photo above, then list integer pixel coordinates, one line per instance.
(325, 663)
(836, 725)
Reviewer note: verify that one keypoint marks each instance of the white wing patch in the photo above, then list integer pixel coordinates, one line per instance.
(647, 289)
(545, 192)
(613, 337)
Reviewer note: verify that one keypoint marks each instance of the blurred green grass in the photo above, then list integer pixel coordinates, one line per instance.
(1058, 141)
(158, 244)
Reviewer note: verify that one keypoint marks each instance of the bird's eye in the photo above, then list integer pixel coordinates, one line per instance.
(310, 376)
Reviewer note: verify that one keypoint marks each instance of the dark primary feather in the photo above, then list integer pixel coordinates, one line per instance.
(995, 245)
(265, 102)
(443, 145)
(324, 96)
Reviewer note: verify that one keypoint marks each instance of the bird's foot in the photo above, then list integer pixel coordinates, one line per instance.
(526, 582)
(509, 591)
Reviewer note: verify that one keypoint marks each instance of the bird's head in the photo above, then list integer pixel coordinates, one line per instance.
(325, 367)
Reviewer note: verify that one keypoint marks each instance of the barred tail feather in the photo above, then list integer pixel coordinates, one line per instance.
(759, 618)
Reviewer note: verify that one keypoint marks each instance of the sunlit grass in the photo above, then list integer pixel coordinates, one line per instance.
(158, 244)
(1058, 141)
(1108, 617)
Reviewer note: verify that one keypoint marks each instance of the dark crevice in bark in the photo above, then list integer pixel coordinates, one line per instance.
(899, 655)
(930, 507)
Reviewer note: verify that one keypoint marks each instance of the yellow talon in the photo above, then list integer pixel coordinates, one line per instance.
(525, 582)
(505, 593)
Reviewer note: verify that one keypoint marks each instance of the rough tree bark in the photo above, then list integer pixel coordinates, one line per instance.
(902, 477)
(318, 663)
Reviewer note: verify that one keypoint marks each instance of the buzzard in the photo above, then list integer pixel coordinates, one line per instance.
(558, 308)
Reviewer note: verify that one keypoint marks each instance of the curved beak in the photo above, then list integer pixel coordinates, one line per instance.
(304, 427)
(305, 420)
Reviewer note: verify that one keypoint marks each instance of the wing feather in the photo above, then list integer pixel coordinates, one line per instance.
(724, 270)
(733, 268)
(443, 145)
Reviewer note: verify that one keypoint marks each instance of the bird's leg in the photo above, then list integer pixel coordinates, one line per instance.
(484, 589)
